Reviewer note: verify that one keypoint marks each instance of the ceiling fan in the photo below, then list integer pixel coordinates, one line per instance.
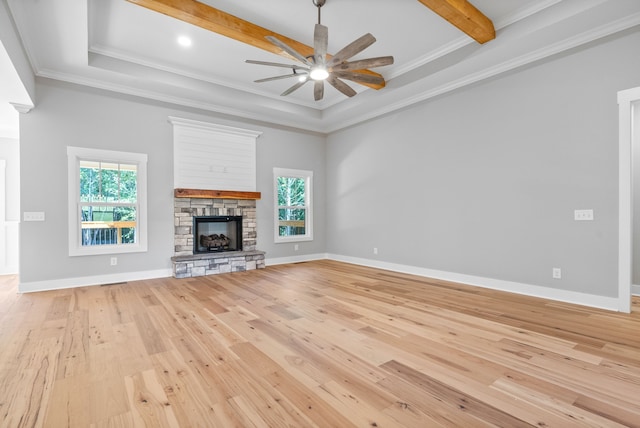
(319, 67)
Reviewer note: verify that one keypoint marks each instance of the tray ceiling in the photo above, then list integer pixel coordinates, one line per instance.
(121, 46)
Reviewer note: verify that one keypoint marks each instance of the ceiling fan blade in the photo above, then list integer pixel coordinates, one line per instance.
(352, 49)
(318, 90)
(320, 41)
(364, 63)
(341, 86)
(359, 77)
(276, 64)
(286, 76)
(293, 88)
(289, 50)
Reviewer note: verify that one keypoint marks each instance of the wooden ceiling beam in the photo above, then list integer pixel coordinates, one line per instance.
(212, 19)
(465, 17)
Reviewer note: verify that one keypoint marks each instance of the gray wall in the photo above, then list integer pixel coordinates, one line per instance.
(71, 115)
(295, 151)
(484, 181)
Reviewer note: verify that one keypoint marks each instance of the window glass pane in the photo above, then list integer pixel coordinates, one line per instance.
(99, 236)
(108, 225)
(110, 184)
(128, 183)
(109, 166)
(101, 214)
(89, 184)
(124, 213)
(291, 222)
(291, 191)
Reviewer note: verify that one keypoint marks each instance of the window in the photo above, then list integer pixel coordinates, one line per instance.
(293, 213)
(107, 201)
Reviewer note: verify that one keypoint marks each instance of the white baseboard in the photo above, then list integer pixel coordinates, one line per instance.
(9, 270)
(602, 302)
(58, 284)
(610, 303)
(295, 259)
(635, 290)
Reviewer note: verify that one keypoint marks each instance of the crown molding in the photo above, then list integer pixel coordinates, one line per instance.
(485, 73)
(22, 108)
(288, 120)
(214, 127)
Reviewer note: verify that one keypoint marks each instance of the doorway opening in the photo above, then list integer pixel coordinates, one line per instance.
(9, 207)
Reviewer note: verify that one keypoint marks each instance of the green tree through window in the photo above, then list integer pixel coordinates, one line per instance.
(108, 202)
(293, 205)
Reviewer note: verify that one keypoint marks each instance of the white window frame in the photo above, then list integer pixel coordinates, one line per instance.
(308, 178)
(74, 156)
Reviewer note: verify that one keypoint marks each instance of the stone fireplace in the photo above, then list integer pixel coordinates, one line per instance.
(232, 214)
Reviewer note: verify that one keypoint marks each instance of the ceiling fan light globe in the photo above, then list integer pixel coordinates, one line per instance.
(318, 73)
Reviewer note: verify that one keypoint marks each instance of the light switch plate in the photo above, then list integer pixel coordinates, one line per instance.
(33, 216)
(583, 215)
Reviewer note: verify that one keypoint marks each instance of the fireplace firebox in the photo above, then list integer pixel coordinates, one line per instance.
(217, 234)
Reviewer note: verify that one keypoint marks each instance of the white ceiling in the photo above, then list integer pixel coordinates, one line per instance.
(117, 45)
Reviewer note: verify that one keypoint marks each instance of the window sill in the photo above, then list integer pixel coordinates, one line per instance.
(111, 249)
(293, 239)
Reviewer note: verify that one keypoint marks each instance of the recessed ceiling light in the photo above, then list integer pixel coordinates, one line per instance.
(184, 41)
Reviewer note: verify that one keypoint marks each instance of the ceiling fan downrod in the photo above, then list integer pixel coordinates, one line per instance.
(319, 4)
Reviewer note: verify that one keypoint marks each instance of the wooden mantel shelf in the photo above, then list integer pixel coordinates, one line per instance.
(214, 194)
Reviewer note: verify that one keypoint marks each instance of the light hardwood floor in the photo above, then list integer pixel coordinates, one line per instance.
(312, 344)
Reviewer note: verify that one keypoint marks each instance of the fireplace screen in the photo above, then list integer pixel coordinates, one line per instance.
(217, 233)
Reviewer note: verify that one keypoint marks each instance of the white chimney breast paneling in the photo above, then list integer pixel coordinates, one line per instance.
(213, 157)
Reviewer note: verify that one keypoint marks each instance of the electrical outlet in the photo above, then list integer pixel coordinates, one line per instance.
(556, 273)
(375, 250)
(114, 261)
(295, 247)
